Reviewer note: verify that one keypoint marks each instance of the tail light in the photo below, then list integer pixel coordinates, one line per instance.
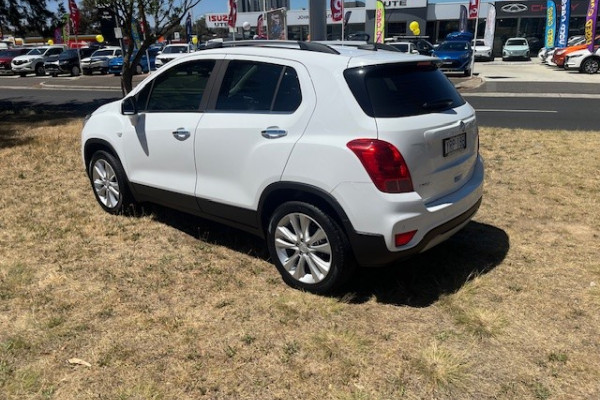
(384, 164)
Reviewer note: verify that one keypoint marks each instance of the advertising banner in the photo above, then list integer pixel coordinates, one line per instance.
(490, 26)
(107, 24)
(276, 25)
(379, 22)
(337, 10)
(473, 9)
(74, 11)
(462, 21)
(590, 24)
(563, 28)
(260, 30)
(232, 16)
(188, 28)
(550, 24)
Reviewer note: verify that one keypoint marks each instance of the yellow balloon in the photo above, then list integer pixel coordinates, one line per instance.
(50, 42)
(417, 32)
(100, 38)
(414, 26)
(195, 40)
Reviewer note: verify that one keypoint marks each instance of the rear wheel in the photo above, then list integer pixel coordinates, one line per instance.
(109, 183)
(75, 70)
(22, 74)
(309, 248)
(590, 66)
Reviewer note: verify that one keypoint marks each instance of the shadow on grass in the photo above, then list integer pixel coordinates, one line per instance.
(416, 282)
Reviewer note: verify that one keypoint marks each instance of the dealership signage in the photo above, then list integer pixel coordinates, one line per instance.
(535, 8)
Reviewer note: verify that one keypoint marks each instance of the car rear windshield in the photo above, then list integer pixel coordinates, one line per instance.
(402, 90)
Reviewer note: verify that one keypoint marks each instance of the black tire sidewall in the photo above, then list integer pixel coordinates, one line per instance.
(125, 197)
(342, 262)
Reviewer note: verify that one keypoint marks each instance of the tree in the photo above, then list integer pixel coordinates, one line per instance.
(28, 16)
(155, 18)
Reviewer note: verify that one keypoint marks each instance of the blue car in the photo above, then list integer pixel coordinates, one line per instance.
(115, 66)
(455, 56)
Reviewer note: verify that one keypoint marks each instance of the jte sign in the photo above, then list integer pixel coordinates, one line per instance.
(217, 21)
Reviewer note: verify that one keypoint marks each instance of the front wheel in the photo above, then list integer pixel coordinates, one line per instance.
(39, 70)
(309, 248)
(109, 183)
(75, 71)
(590, 66)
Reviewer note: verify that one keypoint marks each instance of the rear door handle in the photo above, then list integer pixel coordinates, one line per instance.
(273, 132)
(181, 134)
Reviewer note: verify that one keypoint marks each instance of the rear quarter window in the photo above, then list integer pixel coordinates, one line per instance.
(402, 90)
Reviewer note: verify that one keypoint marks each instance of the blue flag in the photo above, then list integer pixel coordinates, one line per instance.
(563, 28)
(550, 24)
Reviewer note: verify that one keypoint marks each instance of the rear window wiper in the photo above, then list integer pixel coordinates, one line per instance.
(437, 104)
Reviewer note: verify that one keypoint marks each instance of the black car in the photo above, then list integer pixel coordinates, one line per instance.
(67, 62)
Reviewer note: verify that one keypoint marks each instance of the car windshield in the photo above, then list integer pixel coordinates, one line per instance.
(401, 46)
(103, 52)
(175, 49)
(480, 43)
(67, 54)
(401, 90)
(35, 52)
(516, 42)
(453, 46)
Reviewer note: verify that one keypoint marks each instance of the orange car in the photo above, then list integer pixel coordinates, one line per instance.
(559, 55)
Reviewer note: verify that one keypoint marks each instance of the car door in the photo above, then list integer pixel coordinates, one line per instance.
(245, 138)
(160, 147)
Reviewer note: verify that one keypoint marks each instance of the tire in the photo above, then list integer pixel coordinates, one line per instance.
(54, 74)
(87, 72)
(39, 70)
(467, 72)
(22, 74)
(75, 70)
(309, 248)
(590, 66)
(109, 183)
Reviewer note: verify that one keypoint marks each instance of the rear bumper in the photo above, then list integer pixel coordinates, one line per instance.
(380, 217)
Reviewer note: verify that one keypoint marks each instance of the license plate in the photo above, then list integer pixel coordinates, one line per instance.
(455, 143)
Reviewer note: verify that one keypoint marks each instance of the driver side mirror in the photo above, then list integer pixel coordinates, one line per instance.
(129, 106)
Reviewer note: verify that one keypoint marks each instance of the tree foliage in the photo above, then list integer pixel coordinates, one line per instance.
(29, 17)
(155, 17)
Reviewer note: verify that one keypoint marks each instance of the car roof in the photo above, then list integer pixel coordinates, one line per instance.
(340, 54)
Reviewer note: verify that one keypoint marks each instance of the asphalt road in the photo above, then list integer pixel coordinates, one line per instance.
(510, 95)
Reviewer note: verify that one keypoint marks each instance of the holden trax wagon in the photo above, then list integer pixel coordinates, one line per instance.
(337, 156)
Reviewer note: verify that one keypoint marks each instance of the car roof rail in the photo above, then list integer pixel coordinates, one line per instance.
(287, 44)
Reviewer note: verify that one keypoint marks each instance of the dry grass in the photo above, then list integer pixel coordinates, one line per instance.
(164, 306)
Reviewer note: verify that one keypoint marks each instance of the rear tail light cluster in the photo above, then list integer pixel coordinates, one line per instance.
(384, 164)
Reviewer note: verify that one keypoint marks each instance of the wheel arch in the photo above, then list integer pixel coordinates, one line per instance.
(282, 192)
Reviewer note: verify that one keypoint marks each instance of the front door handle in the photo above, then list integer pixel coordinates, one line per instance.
(273, 132)
(181, 134)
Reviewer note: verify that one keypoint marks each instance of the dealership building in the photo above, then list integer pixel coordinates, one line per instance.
(436, 19)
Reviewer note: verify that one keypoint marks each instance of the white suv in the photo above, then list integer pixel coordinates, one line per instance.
(333, 154)
(33, 61)
(98, 61)
(583, 61)
(172, 51)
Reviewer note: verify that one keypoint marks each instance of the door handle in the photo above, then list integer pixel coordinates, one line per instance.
(273, 132)
(181, 134)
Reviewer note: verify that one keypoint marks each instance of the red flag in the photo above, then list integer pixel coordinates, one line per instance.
(473, 8)
(337, 10)
(259, 26)
(74, 11)
(232, 13)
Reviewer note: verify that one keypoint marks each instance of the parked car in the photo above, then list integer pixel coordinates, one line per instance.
(172, 51)
(558, 59)
(405, 47)
(6, 57)
(455, 56)
(481, 51)
(115, 65)
(33, 61)
(98, 61)
(515, 48)
(583, 61)
(67, 62)
(249, 136)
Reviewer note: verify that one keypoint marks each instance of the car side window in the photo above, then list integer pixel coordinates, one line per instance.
(178, 89)
(255, 86)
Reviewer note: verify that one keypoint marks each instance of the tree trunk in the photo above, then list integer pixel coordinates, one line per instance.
(126, 79)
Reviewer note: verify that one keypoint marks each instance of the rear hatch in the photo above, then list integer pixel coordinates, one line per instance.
(419, 111)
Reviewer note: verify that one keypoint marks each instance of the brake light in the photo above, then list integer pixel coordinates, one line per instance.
(384, 164)
(400, 239)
